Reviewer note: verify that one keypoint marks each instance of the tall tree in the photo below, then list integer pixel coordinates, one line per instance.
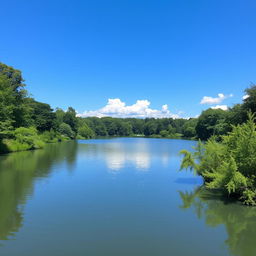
(43, 116)
(250, 100)
(71, 119)
(211, 122)
(13, 95)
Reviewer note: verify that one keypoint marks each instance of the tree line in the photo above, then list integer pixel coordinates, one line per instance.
(227, 158)
(28, 124)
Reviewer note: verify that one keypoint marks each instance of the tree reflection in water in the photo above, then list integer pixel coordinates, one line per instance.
(18, 173)
(239, 220)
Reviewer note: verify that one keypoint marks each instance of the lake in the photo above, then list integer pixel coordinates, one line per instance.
(116, 197)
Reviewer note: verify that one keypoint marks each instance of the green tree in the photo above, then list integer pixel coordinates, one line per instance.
(86, 132)
(211, 122)
(71, 119)
(11, 81)
(229, 165)
(7, 105)
(66, 130)
(100, 130)
(42, 115)
(59, 113)
(189, 128)
(150, 127)
(250, 101)
(125, 129)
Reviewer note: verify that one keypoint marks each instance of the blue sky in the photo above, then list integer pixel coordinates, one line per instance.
(83, 53)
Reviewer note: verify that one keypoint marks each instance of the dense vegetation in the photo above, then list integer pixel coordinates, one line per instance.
(28, 124)
(227, 160)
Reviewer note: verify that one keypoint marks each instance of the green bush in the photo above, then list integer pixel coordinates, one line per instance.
(50, 136)
(230, 164)
(66, 130)
(22, 139)
(84, 132)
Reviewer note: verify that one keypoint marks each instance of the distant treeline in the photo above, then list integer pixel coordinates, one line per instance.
(27, 124)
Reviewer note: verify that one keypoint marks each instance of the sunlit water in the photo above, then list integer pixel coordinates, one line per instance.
(115, 197)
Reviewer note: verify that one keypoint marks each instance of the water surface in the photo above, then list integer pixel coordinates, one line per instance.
(115, 197)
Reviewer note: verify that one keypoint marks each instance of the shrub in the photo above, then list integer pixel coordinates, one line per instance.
(66, 130)
(85, 132)
(22, 139)
(50, 136)
(230, 164)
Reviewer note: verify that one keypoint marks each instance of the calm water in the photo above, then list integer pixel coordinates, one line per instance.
(115, 197)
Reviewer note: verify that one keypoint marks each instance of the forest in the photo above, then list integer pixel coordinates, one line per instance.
(27, 124)
(226, 158)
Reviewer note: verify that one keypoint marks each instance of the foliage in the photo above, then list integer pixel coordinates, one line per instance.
(250, 101)
(70, 119)
(18, 110)
(42, 115)
(85, 132)
(66, 130)
(211, 122)
(50, 136)
(22, 139)
(12, 87)
(189, 128)
(229, 165)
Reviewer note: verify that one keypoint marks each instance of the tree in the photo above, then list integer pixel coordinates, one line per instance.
(66, 130)
(7, 105)
(189, 128)
(137, 125)
(211, 122)
(71, 119)
(59, 113)
(12, 95)
(86, 132)
(124, 129)
(112, 128)
(42, 115)
(100, 130)
(229, 165)
(237, 115)
(250, 101)
(150, 127)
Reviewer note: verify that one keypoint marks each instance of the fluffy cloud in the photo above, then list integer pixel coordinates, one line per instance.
(217, 100)
(246, 97)
(223, 107)
(141, 109)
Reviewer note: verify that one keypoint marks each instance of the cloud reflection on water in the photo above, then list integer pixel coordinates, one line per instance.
(118, 155)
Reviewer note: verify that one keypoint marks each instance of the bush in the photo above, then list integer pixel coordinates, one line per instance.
(230, 164)
(66, 130)
(22, 139)
(50, 136)
(85, 132)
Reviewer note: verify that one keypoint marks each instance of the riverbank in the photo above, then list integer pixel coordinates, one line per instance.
(23, 139)
(28, 139)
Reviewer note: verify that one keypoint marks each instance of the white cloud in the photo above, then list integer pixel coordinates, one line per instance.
(217, 100)
(246, 97)
(223, 107)
(141, 109)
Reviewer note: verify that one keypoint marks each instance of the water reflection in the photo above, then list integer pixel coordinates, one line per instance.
(18, 173)
(117, 157)
(140, 153)
(239, 220)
